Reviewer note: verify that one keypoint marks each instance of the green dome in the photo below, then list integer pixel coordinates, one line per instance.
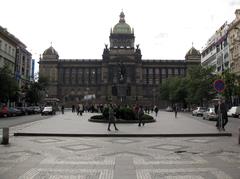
(122, 27)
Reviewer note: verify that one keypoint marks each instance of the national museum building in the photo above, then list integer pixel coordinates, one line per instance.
(121, 76)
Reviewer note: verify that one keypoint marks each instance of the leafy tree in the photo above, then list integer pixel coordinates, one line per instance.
(173, 90)
(231, 81)
(35, 90)
(200, 85)
(8, 85)
(195, 88)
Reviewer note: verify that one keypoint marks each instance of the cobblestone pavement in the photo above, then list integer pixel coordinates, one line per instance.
(120, 158)
(115, 158)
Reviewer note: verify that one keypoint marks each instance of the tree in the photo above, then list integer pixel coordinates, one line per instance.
(173, 90)
(195, 88)
(200, 85)
(231, 81)
(8, 85)
(35, 90)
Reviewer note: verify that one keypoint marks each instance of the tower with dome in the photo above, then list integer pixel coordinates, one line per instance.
(120, 76)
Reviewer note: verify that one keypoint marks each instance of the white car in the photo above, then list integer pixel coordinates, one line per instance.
(48, 110)
(199, 111)
(234, 111)
(210, 114)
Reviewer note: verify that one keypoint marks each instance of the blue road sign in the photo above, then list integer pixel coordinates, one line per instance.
(219, 85)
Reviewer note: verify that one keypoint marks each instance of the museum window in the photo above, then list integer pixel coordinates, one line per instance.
(182, 71)
(67, 76)
(79, 76)
(163, 71)
(144, 76)
(73, 76)
(86, 76)
(93, 76)
(98, 75)
(176, 71)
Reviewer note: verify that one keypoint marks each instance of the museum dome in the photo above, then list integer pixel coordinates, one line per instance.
(193, 52)
(50, 51)
(122, 27)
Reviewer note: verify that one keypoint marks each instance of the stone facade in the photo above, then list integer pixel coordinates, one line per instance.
(121, 76)
(234, 43)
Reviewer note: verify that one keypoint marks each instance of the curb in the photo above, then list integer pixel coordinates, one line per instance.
(122, 135)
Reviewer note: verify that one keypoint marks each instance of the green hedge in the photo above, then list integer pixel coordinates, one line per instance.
(123, 115)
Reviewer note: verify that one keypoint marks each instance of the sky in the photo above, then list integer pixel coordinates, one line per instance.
(78, 29)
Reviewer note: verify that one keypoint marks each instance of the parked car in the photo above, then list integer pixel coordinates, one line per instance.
(48, 110)
(199, 111)
(234, 111)
(4, 112)
(23, 110)
(169, 109)
(210, 114)
(36, 109)
(14, 111)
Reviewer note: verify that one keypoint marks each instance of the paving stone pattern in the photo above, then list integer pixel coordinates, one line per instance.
(120, 158)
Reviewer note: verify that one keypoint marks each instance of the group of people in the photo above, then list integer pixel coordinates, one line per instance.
(138, 110)
(80, 109)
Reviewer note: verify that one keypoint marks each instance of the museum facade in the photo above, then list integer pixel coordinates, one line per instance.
(121, 76)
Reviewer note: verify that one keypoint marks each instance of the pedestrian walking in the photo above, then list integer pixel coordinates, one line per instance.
(81, 109)
(175, 109)
(140, 116)
(73, 108)
(156, 110)
(221, 111)
(78, 110)
(111, 118)
(62, 109)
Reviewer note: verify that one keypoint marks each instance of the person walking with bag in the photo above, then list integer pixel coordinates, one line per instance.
(111, 118)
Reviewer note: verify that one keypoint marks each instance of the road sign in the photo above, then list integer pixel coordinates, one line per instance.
(219, 85)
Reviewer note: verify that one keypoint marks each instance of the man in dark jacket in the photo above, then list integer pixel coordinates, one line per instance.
(221, 111)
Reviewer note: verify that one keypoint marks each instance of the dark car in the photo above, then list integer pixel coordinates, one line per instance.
(23, 110)
(14, 111)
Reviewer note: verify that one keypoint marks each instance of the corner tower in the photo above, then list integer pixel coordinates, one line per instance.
(48, 67)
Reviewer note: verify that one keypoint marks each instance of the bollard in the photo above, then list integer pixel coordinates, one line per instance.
(5, 136)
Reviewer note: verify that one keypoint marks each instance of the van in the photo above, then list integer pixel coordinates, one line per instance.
(234, 111)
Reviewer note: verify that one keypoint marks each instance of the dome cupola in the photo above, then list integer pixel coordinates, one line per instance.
(122, 27)
(50, 51)
(193, 52)
(50, 54)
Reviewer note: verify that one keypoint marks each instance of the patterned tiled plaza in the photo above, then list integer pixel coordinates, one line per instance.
(118, 157)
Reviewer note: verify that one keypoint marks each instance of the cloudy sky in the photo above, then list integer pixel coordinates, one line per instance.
(78, 29)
